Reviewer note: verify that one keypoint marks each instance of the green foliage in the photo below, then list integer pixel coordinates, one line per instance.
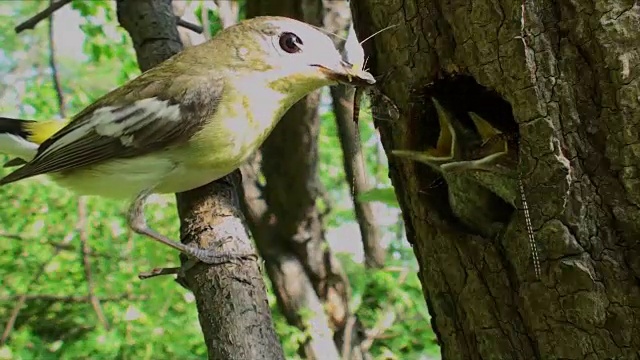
(215, 25)
(71, 330)
(385, 195)
(390, 302)
(156, 318)
(106, 43)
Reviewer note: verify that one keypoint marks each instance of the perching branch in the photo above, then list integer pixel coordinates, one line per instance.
(231, 298)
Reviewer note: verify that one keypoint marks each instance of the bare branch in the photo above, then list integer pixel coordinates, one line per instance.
(338, 20)
(57, 5)
(188, 25)
(354, 166)
(34, 20)
(54, 68)
(158, 272)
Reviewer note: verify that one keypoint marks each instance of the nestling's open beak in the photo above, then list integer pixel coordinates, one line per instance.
(348, 74)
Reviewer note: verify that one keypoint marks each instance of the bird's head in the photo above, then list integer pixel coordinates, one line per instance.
(291, 55)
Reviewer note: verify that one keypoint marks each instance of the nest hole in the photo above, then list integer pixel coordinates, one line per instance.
(459, 95)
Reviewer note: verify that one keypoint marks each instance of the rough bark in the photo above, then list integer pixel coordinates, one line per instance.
(338, 20)
(231, 298)
(309, 283)
(566, 81)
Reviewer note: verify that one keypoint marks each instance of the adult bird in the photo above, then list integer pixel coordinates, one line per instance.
(190, 120)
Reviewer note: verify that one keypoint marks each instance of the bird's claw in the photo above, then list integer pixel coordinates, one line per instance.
(197, 255)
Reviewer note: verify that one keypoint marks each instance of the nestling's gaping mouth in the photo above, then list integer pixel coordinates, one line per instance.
(348, 74)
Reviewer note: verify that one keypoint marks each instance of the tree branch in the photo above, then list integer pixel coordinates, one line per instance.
(188, 25)
(297, 256)
(37, 18)
(57, 5)
(54, 68)
(353, 159)
(231, 298)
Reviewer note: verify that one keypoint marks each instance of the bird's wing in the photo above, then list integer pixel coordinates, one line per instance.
(136, 121)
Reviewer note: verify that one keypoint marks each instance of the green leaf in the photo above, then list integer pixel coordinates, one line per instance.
(384, 195)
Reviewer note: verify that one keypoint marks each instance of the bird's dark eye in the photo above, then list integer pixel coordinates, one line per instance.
(290, 42)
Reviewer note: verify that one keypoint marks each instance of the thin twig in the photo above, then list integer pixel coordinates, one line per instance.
(34, 20)
(56, 5)
(54, 67)
(187, 25)
(84, 240)
(158, 272)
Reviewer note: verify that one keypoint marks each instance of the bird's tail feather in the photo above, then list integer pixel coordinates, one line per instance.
(15, 140)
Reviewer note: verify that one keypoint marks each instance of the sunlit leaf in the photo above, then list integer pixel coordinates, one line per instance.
(384, 195)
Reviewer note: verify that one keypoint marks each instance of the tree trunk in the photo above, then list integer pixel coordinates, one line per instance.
(231, 298)
(309, 282)
(338, 21)
(563, 78)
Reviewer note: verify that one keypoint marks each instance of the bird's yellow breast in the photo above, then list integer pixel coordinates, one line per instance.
(246, 115)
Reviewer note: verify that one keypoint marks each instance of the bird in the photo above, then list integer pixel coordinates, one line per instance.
(184, 123)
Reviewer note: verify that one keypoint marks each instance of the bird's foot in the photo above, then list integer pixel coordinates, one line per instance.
(197, 255)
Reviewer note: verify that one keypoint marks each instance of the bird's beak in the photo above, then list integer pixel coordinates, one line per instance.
(347, 73)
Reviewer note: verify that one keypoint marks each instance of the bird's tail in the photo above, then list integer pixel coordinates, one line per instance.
(21, 138)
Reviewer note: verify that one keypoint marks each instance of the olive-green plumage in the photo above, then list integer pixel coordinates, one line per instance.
(193, 118)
